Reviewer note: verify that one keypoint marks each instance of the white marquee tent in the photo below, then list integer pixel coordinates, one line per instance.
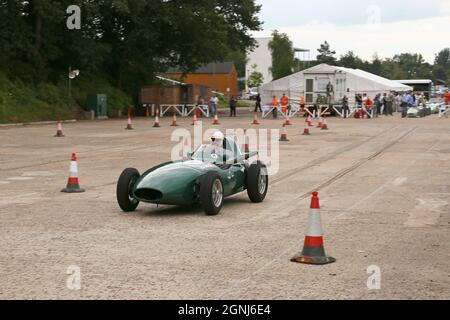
(312, 82)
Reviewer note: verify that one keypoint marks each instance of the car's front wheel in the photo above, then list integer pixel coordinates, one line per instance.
(124, 190)
(211, 193)
(257, 182)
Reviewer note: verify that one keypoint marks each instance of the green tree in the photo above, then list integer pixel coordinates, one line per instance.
(441, 68)
(351, 60)
(282, 50)
(326, 55)
(255, 78)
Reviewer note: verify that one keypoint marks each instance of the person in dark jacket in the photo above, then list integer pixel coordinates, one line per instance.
(258, 103)
(233, 106)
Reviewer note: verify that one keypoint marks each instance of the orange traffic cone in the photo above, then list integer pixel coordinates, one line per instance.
(129, 124)
(72, 184)
(59, 131)
(216, 120)
(156, 124)
(284, 136)
(313, 250)
(306, 130)
(194, 122)
(147, 112)
(288, 122)
(255, 119)
(324, 124)
(320, 124)
(174, 121)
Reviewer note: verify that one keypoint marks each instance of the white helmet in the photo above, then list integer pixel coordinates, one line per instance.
(218, 136)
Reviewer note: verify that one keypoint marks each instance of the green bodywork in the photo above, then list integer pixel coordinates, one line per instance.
(177, 183)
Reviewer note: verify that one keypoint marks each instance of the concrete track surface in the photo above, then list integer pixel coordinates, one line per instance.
(384, 187)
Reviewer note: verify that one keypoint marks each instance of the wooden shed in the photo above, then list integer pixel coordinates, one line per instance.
(221, 77)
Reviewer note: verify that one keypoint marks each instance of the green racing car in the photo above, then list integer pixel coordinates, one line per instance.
(206, 177)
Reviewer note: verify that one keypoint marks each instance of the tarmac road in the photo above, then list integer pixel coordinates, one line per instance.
(384, 187)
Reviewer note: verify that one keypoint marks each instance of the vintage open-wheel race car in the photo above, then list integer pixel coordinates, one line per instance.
(206, 177)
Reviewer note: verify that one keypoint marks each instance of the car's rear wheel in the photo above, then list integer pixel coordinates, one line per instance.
(257, 182)
(124, 190)
(211, 193)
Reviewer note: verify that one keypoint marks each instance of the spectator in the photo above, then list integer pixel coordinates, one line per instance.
(233, 106)
(284, 103)
(378, 104)
(345, 107)
(258, 103)
(369, 106)
(213, 102)
(407, 102)
(389, 104)
(274, 107)
(447, 97)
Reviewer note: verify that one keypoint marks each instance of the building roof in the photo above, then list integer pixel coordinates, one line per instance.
(415, 81)
(210, 68)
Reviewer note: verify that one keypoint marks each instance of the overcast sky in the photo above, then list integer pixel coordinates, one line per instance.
(385, 27)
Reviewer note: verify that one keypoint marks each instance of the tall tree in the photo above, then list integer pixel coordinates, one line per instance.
(326, 55)
(351, 60)
(282, 50)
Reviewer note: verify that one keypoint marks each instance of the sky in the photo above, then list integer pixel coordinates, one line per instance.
(366, 27)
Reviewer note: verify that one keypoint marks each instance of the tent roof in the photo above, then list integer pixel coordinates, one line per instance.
(328, 69)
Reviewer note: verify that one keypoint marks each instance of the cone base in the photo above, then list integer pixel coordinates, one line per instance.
(306, 134)
(156, 126)
(283, 140)
(174, 125)
(59, 135)
(129, 128)
(69, 190)
(313, 260)
(325, 128)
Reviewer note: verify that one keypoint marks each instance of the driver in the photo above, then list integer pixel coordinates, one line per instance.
(217, 140)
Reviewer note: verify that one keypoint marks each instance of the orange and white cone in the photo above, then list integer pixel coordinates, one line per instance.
(313, 249)
(174, 121)
(246, 146)
(156, 124)
(255, 119)
(216, 120)
(147, 112)
(194, 122)
(306, 130)
(72, 184)
(320, 124)
(324, 124)
(129, 124)
(59, 131)
(284, 136)
(288, 122)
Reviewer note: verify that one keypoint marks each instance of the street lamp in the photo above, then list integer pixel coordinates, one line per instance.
(72, 75)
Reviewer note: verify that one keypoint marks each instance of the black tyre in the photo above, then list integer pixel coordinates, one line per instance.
(211, 193)
(257, 182)
(124, 190)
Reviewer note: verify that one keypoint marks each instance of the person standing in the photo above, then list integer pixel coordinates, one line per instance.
(233, 106)
(213, 102)
(407, 102)
(389, 104)
(258, 103)
(377, 102)
(330, 93)
(284, 103)
(447, 97)
(345, 107)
